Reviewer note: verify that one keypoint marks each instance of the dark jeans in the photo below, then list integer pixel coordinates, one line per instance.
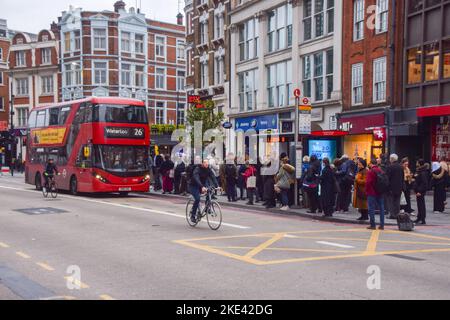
(284, 197)
(313, 197)
(376, 202)
(176, 184)
(195, 192)
(250, 194)
(344, 198)
(422, 212)
(394, 204)
(231, 190)
(407, 193)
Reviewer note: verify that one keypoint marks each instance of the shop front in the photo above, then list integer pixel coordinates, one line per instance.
(435, 130)
(366, 134)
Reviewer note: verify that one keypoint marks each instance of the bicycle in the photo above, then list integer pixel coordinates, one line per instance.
(211, 209)
(52, 186)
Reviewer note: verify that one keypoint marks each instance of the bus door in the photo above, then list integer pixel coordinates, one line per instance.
(84, 167)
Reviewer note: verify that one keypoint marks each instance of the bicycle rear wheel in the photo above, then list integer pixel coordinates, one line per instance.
(189, 205)
(214, 216)
(54, 191)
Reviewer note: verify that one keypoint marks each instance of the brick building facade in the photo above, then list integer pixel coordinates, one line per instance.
(371, 74)
(4, 81)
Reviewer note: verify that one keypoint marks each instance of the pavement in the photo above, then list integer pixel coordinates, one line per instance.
(103, 247)
(350, 217)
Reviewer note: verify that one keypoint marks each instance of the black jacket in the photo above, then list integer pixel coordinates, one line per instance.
(396, 178)
(179, 169)
(203, 177)
(422, 179)
(231, 173)
(328, 186)
(166, 166)
(50, 169)
(312, 175)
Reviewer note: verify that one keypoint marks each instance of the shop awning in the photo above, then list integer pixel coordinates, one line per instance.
(433, 111)
(361, 123)
(329, 133)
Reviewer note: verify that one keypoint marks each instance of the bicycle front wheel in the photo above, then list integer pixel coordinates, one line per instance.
(189, 205)
(54, 191)
(214, 216)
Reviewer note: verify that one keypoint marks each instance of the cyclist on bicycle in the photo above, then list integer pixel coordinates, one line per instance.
(49, 171)
(202, 178)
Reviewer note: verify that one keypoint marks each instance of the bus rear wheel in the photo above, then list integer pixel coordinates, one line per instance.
(73, 186)
(38, 181)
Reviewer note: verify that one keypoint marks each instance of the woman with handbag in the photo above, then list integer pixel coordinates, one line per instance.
(284, 179)
(249, 176)
(407, 187)
(359, 194)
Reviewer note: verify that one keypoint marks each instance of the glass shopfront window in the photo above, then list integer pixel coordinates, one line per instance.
(431, 61)
(414, 65)
(446, 59)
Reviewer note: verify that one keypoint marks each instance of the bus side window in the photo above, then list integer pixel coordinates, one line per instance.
(79, 117)
(63, 115)
(88, 115)
(32, 120)
(40, 119)
(54, 116)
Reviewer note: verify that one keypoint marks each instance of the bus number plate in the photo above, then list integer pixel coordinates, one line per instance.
(124, 189)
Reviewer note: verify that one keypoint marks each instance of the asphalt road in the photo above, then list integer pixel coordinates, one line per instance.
(140, 247)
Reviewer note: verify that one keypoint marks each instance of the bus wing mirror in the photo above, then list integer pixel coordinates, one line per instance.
(87, 152)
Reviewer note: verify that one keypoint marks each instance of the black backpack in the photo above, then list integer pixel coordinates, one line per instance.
(404, 222)
(382, 183)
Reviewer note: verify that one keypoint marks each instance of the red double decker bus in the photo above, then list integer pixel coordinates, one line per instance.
(98, 145)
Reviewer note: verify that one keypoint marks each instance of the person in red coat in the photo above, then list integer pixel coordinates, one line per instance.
(249, 172)
(374, 199)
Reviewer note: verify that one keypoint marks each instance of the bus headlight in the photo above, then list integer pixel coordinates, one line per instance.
(100, 178)
(146, 178)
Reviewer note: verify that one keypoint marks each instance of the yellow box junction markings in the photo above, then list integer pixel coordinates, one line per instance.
(370, 250)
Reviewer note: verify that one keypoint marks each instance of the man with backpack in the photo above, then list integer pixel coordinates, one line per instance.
(346, 176)
(376, 182)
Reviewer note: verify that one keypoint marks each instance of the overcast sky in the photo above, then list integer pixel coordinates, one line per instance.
(35, 15)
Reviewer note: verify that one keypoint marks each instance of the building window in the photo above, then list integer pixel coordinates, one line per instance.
(20, 58)
(139, 43)
(77, 73)
(160, 46)
(99, 39)
(358, 20)
(47, 84)
(280, 28)
(318, 75)
(248, 40)
(357, 84)
(126, 74)
(68, 74)
(431, 58)
(22, 117)
(46, 55)
(415, 6)
(247, 90)
(414, 65)
(160, 114)
(160, 78)
(100, 73)
(125, 42)
(279, 83)
(22, 87)
(204, 32)
(181, 114)
(77, 41)
(218, 24)
(379, 80)
(1, 77)
(381, 22)
(1, 54)
(139, 76)
(204, 76)
(318, 18)
(218, 70)
(446, 56)
(180, 49)
(2, 104)
(67, 42)
(180, 80)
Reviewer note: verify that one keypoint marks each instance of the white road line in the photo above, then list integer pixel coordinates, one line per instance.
(128, 207)
(334, 244)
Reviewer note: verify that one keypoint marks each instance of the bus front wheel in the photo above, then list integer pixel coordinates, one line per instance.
(73, 186)
(38, 181)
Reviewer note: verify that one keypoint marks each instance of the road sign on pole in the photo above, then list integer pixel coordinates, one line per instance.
(304, 122)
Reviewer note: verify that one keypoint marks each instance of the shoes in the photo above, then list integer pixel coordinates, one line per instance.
(234, 200)
(249, 203)
(413, 213)
(327, 215)
(229, 200)
(309, 211)
(372, 228)
(270, 206)
(380, 228)
(214, 197)
(284, 208)
(437, 212)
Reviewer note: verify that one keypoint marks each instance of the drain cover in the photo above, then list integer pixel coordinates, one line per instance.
(39, 211)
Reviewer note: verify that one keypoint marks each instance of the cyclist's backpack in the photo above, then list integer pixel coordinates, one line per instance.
(382, 183)
(404, 222)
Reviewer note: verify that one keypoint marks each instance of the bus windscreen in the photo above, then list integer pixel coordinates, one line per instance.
(121, 159)
(119, 114)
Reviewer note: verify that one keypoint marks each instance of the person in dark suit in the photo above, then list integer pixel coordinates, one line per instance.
(327, 189)
(396, 176)
(421, 186)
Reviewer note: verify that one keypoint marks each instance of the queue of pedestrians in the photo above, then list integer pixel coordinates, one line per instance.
(379, 186)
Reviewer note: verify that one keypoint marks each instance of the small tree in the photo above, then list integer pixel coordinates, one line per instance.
(206, 114)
